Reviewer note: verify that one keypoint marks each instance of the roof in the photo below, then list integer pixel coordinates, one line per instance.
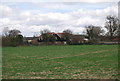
(59, 34)
(115, 39)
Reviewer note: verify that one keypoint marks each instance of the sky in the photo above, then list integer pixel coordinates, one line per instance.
(31, 17)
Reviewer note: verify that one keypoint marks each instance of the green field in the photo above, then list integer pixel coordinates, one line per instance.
(61, 62)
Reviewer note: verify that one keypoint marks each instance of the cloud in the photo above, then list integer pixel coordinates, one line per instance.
(95, 17)
(99, 13)
(5, 10)
(48, 19)
(29, 22)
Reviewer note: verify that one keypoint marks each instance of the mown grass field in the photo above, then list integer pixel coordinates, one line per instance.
(61, 62)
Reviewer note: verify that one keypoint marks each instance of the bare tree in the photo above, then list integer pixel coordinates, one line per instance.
(45, 31)
(93, 33)
(112, 26)
(67, 35)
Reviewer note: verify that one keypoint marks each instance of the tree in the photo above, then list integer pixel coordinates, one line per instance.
(112, 26)
(45, 35)
(15, 37)
(13, 41)
(52, 38)
(5, 41)
(67, 35)
(14, 33)
(19, 39)
(45, 31)
(11, 37)
(93, 33)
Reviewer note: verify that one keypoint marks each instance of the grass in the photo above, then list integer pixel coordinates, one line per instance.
(61, 62)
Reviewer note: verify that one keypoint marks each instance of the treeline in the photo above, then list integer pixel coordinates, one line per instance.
(112, 27)
(12, 38)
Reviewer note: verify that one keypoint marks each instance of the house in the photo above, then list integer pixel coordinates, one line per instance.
(28, 39)
(78, 39)
(60, 39)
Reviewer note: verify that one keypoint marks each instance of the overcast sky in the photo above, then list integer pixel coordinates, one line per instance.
(31, 17)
